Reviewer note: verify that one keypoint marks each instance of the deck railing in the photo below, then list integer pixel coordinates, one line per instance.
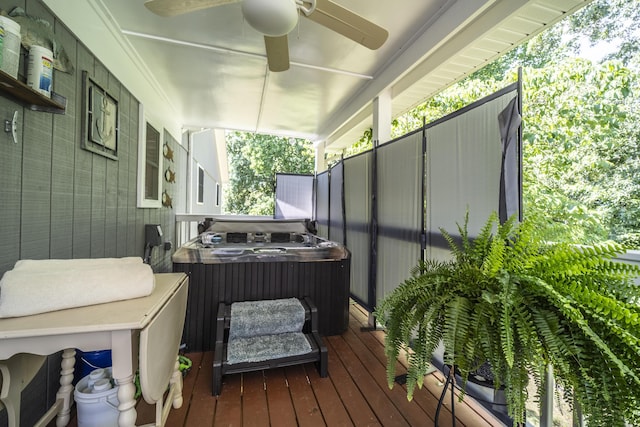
(187, 227)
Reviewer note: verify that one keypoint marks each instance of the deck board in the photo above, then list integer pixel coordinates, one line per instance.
(374, 342)
(199, 408)
(377, 397)
(354, 394)
(254, 400)
(229, 406)
(281, 411)
(352, 400)
(305, 404)
(333, 411)
(414, 414)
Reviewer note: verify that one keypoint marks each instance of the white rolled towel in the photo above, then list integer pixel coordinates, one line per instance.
(63, 264)
(39, 286)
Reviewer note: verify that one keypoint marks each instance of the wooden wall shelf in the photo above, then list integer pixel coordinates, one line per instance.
(30, 97)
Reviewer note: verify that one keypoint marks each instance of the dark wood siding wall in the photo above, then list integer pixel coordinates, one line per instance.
(60, 201)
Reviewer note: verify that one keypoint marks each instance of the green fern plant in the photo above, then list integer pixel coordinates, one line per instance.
(510, 299)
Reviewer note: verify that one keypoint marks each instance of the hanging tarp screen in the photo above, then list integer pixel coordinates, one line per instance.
(294, 196)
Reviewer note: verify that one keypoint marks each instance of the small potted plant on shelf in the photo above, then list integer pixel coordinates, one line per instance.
(512, 300)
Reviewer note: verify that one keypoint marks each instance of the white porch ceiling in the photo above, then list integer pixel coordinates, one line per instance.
(211, 65)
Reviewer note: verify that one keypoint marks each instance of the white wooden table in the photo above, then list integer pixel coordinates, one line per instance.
(116, 326)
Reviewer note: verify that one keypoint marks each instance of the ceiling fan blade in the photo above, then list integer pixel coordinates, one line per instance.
(277, 53)
(177, 7)
(345, 22)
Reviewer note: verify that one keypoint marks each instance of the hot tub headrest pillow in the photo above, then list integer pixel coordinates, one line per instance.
(39, 286)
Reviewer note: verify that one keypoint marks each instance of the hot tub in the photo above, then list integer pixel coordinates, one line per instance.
(240, 259)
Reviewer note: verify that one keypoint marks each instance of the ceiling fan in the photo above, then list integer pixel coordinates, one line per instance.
(276, 18)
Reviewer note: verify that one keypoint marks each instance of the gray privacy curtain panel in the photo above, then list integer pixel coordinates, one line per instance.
(357, 188)
(464, 157)
(294, 196)
(399, 210)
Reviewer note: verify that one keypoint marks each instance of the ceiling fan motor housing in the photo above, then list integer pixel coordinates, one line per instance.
(272, 18)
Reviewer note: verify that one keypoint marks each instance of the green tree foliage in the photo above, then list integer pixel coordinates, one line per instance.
(255, 159)
(581, 149)
(610, 21)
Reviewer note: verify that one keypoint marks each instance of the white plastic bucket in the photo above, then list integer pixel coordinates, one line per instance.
(10, 46)
(40, 69)
(97, 400)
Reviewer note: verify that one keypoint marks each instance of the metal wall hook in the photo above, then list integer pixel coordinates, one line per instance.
(11, 126)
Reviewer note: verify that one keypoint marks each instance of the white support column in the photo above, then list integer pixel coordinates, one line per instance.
(382, 116)
(189, 177)
(321, 162)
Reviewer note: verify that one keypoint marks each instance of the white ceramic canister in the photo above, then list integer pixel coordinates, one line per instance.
(40, 69)
(10, 46)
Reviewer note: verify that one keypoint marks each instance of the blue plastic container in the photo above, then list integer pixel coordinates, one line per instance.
(87, 361)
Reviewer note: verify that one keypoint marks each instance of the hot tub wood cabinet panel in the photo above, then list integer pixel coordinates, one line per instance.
(325, 282)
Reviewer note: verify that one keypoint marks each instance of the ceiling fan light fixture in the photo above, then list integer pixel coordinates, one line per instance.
(272, 18)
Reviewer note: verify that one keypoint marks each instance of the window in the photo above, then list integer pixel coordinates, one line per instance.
(149, 165)
(217, 194)
(152, 150)
(200, 185)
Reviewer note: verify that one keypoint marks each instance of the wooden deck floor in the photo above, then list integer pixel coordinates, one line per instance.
(354, 394)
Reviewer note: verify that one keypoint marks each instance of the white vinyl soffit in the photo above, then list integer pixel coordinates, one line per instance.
(239, 52)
